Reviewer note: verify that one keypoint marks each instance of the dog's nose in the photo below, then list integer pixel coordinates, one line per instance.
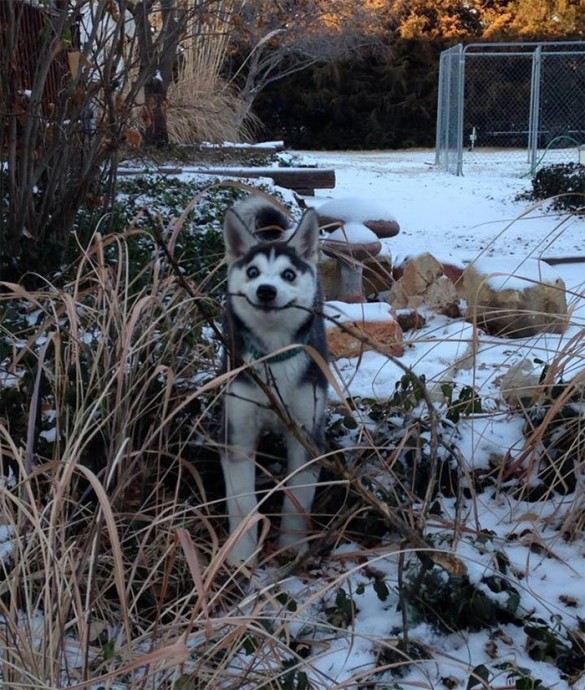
(266, 293)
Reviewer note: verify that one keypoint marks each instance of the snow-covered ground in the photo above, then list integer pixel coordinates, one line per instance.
(455, 217)
(459, 219)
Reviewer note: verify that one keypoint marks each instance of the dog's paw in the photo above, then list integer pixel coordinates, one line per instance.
(242, 551)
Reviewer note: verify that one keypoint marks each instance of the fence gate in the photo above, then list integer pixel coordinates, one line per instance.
(522, 102)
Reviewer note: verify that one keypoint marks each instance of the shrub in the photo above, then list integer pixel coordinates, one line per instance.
(454, 603)
(563, 184)
(64, 71)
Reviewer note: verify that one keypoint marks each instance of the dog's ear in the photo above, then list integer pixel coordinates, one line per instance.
(236, 236)
(305, 240)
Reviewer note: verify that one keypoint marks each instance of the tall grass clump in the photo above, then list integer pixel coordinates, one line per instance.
(202, 107)
(108, 370)
(113, 540)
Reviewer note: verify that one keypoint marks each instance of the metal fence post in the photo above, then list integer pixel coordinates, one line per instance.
(460, 107)
(534, 115)
(441, 95)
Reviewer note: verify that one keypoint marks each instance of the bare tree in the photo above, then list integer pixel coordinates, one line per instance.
(73, 73)
(275, 38)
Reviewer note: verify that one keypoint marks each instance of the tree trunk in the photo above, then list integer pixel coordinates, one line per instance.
(155, 97)
(159, 54)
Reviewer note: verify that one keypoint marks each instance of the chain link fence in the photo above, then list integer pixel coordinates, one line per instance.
(522, 102)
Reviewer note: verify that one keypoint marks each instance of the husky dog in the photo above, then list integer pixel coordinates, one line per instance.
(273, 302)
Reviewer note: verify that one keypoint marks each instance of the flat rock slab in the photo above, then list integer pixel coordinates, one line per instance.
(362, 327)
(515, 298)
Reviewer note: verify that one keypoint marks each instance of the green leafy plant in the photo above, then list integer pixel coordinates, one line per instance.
(563, 184)
(479, 676)
(147, 209)
(292, 678)
(400, 656)
(408, 391)
(451, 603)
(554, 436)
(342, 613)
(467, 402)
(482, 677)
(522, 677)
(552, 641)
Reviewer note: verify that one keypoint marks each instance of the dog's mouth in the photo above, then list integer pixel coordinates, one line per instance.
(267, 307)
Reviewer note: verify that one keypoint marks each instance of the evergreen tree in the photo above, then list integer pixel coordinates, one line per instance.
(386, 95)
(548, 19)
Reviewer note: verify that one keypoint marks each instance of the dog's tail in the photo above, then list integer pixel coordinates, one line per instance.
(262, 218)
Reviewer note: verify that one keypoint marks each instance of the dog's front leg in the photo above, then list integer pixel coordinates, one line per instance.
(239, 471)
(240, 480)
(300, 490)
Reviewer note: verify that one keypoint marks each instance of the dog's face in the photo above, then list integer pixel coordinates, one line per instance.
(272, 282)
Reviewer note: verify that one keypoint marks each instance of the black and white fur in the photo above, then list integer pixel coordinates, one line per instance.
(273, 301)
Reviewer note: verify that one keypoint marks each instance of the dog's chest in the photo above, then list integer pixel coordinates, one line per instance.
(283, 377)
(283, 388)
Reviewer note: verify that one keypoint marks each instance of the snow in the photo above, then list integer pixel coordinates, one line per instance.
(342, 312)
(456, 218)
(460, 220)
(358, 209)
(7, 535)
(508, 273)
(235, 145)
(353, 233)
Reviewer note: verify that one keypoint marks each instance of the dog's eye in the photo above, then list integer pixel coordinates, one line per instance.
(289, 275)
(252, 272)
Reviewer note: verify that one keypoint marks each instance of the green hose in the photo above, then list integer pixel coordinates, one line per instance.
(534, 168)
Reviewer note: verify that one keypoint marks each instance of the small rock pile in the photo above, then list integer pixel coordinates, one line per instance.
(504, 296)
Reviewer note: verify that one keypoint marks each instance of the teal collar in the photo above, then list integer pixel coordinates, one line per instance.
(255, 353)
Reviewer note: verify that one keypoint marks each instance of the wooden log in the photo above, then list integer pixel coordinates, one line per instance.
(266, 147)
(291, 178)
(302, 180)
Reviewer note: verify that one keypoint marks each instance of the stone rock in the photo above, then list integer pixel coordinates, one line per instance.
(350, 246)
(441, 295)
(363, 327)
(420, 273)
(422, 283)
(383, 228)
(350, 235)
(455, 275)
(410, 320)
(369, 212)
(513, 298)
(376, 276)
(328, 271)
(382, 336)
(521, 382)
